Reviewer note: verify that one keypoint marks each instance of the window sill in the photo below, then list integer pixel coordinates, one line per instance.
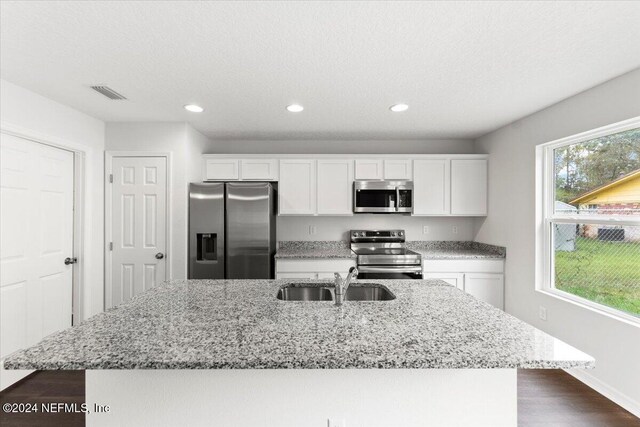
(594, 307)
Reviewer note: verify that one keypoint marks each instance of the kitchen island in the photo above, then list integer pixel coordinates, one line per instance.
(430, 350)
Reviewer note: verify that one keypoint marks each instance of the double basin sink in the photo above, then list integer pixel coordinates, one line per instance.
(324, 292)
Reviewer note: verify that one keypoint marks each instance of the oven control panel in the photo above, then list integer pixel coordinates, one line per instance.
(377, 236)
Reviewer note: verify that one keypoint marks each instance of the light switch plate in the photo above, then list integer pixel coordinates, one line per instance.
(543, 313)
(312, 229)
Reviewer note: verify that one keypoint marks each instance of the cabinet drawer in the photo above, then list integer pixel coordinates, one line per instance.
(316, 265)
(463, 266)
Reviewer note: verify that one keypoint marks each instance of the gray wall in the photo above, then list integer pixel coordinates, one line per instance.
(511, 222)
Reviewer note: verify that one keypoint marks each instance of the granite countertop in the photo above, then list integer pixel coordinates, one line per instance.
(456, 250)
(217, 324)
(314, 249)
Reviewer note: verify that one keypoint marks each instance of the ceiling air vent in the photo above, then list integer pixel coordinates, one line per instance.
(108, 92)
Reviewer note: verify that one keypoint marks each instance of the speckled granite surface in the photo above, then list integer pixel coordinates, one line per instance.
(456, 250)
(241, 325)
(314, 249)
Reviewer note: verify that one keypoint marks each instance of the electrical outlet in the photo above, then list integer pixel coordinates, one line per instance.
(543, 313)
(312, 229)
(336, 422)
(425, 229)
(454, 229)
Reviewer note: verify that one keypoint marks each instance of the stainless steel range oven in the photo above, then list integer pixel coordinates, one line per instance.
(383, 196)
(382, 255)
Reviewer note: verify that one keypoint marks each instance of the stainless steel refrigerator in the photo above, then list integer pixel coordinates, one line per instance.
(232, 230)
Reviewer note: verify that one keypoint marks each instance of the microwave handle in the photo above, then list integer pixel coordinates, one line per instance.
(397, 199)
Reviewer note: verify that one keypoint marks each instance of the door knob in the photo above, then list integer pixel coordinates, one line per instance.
(68, 260)
(159, 255)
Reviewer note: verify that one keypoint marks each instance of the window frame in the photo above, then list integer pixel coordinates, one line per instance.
(546, 218)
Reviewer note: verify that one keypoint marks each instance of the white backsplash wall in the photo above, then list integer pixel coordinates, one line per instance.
(337, 228)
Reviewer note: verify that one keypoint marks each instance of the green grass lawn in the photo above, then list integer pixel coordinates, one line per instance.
(604, 272)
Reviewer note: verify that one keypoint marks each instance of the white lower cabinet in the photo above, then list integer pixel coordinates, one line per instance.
(484, 279)
(486, 287)
(312, 268)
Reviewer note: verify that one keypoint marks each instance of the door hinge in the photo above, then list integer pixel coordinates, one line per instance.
(111, 178)
(110, 246)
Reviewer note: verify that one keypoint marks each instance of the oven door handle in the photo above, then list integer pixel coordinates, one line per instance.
(366, 269)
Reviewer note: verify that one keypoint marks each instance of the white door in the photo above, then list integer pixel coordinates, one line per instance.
(297, 187)
(36, 231)
(138, 226)
(454, 279)
(335, 187)
(431, 186)
(369, 169)
(486, 287)
(221, 169)
(259, 169)
(397, 169)
(469, 187)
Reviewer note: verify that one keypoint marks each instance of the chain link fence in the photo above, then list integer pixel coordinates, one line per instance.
(600, 263)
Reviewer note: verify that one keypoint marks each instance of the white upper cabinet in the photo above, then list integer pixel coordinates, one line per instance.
(469, 187)
(335, 187)
(397, 169)
(369, 169)
(221, 169)
(255, 169)
(431, 187)
(259, 169)
(297, 187)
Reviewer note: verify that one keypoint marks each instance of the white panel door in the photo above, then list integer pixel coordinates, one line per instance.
(138, 231)
(369, 169)
(259, 169)
(486, 287)
(335, 187)
(36, 229)
(432, 187)
(221, 169)
(468, 187)
(454, 279)
(297, 187)
(397, 169)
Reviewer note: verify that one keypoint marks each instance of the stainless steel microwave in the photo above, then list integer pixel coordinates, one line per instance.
(383, 196)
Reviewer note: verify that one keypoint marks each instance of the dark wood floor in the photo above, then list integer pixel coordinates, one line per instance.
(45, 387)
(553, 398)
(546, 398)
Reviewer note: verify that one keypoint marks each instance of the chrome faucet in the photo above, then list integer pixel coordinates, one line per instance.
(343, 284)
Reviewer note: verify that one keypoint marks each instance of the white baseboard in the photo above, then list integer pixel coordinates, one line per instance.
(606, 390)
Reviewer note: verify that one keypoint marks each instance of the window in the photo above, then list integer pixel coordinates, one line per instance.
(589, 211)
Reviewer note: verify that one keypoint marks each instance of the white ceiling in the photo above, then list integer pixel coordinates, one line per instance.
(464, 68)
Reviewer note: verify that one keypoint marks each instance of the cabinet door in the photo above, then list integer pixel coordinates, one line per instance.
(297, 187)
(431, 187)
(397, 169)
(454, 279)
(469, 187)
(369, 169)
(259, 169)
(486, 287)
(221, 169)
(335, 187)
(300, 275)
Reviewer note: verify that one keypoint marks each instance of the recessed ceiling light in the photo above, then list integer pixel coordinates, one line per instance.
(194, 108)
(398, 108)
(294, 108)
